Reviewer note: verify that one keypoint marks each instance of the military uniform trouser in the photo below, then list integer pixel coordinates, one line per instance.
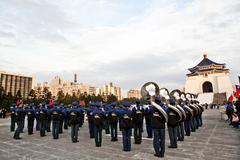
(42, 127)
(23, 124)
(200, 120)
(196, 122)
(37, 124)
(61, 126)
(66, 123)
(192, 124)
(107, 130)
(18, 130)
(159, 141)
(48, 125)
(149, 129)
(82, 120)
(113, 127)
(12, 127)
(138, 134)
(55, 129)
(172, 131)
(187, 127)
(180, 132)
(91, 129)
(98, 135)
(126, 134)
(30, 126)
(74, 132)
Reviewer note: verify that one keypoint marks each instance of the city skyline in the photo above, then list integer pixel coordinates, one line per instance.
(127, 43)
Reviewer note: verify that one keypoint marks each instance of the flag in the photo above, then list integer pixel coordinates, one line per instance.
(230, 99)
(237, 87)
(237, 94)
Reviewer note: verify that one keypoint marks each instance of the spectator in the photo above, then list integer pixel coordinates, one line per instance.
(235, 121)
(229, 112)
(237, 104)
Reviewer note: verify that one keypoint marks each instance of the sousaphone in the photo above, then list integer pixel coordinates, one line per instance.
(192, 106)
(176, 95)
(166, 96)
(183, 97)
(150, 90)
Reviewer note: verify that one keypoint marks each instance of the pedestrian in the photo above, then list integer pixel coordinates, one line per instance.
(73, 120)
(13, 118)
(91, 119)
(30, 119)
(126, 125)
(158, 124)
(113, 114)
(98, 115)
(138, 114)
(19, 113)
(43, 119)
(229, 111)
(55, 121)
(147, 115)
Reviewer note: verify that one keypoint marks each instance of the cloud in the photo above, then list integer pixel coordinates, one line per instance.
(127, 42)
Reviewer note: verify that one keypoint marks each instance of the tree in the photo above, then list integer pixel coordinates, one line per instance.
(49, 95)
(18, 95)
(1, 94)
(74, 97)
(32, 94)
(111, 98)
(60, 95)
(99, 98)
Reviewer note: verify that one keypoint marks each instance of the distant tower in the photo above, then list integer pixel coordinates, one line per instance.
(75, 78)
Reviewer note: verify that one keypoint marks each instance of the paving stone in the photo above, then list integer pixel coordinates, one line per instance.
(215, 140)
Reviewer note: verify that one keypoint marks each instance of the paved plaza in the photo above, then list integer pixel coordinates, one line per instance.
(216, 140)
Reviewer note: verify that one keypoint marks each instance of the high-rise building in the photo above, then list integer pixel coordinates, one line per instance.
(110, 89)
(75, 78)
(12, 83)
(40, 88)
(55, 85)
(69, 87)
(133, 93)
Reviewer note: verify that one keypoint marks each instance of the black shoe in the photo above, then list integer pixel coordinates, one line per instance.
(157, 155)
(17, 138)
(181, 139)
(170, 146)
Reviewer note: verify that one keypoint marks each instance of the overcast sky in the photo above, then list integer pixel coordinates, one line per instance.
(128, 42)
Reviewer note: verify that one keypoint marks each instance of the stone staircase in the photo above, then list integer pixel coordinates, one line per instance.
(209, 98)
(205, 98)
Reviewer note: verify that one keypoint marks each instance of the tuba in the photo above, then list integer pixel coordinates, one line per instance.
(150, 90)
(166, 96)
(195, 109)
(176, 95)
(183, 98)
(197, 103)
